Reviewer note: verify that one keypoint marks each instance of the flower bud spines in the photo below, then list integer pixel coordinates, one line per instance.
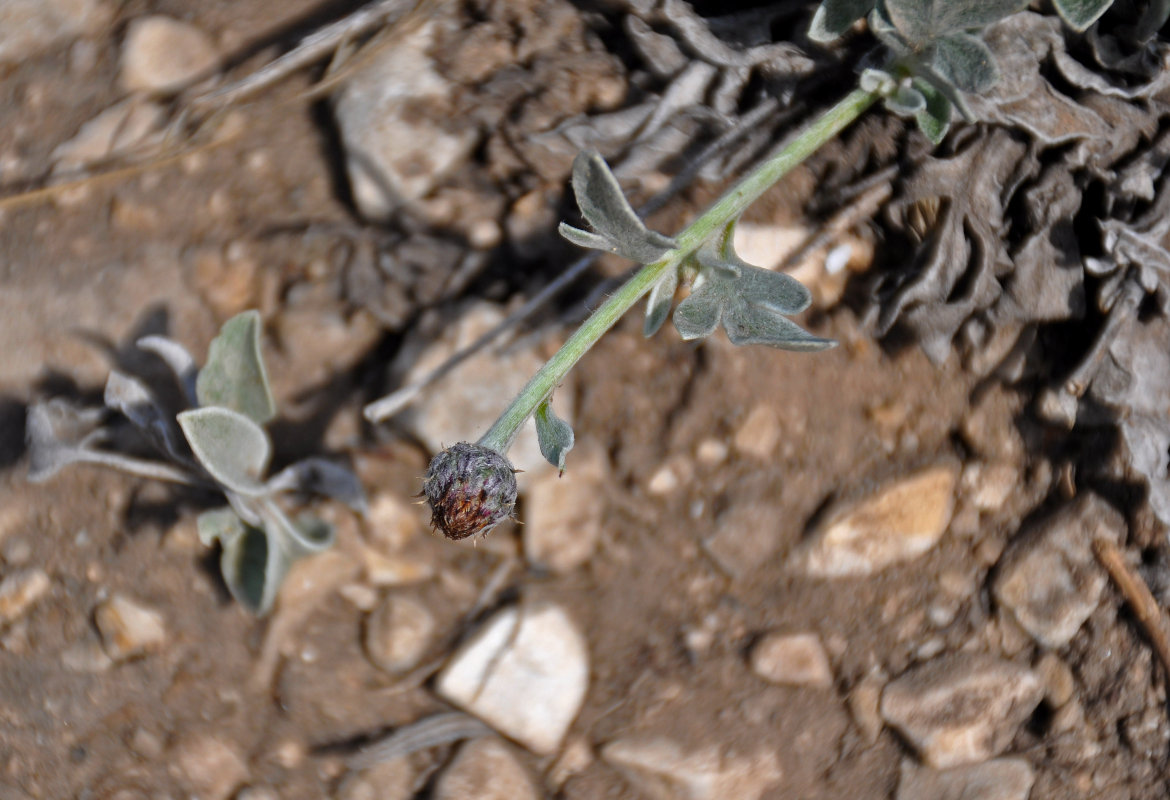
(470, 489)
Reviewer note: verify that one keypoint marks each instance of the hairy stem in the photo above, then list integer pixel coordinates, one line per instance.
(727, 209)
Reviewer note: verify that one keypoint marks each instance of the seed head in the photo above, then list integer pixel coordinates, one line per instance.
(470, 489)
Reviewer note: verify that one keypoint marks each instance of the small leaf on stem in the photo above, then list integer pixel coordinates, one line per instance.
(554, 435)
(234, 376)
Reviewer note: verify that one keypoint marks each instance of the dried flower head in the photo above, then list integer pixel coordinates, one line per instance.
(470, 489)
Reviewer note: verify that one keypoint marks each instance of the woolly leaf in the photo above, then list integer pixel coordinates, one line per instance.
(1080, 14)
(935, 119)
(554, 435)
(234, 376)
(658, 304)
(966, 62)
(230, 446)
(834, 17)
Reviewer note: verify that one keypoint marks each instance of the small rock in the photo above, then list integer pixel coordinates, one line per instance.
(129, 628)
(19, 591)
(227, 278)
(961, 709)
(1000, 779)
(396, 126)
(576, 756)
(392, 521)
(1058, 680)
(485, 769)
(900, 522)
(1048, 579)
(210, 767)
(758, 435)
(524, 672)
(467, 401)
(562, 515)
(116, 131)
(161, 54)
(989, 485)
(30, 27)
(398, 633)
(387, 571)
(663, 770)
(864, 702)
(86, 657)
(797, 659)
(746, 538)
(389, 780)
(711, 452)
(662, 482)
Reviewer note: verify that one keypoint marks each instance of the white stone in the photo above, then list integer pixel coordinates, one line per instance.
(19, 591)
(999, 779)
(397, 128)
(462, 406)
(161, 54)
(398, 633)
(129, 628)
(485, 769)
(562, 514)
(663, 770)
(796, 659)
(117, 130)
(30, 27)
(525, 673)
(989, 485)
(212, 768)
(901, 521)
(1048, 579)
(961, 709)
(759, 433)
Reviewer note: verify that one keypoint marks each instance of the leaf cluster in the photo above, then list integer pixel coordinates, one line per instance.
(936, 53)
(218, 439)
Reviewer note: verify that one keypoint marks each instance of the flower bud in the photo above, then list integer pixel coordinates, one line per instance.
(470, 489)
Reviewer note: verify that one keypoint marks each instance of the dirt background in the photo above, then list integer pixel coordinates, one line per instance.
(669, 628)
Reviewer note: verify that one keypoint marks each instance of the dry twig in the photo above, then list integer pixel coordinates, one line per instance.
(1145, 607)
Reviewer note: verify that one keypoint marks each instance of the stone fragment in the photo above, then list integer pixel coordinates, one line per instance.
(899, 522)
(485, 769)
(961, 709)
(759, 433)
(398, 633)
(999, 779)
(129, 628)
(116, 131)
(663, 770)
(465, 403)
(389, 780)
(162, 54)
(210, 767)
(1058, 680)
(30, 27)
(392, 521)
(797, 659)
(19, 591)
(397, 127)
(524, 672)
(562, 515)
(87, 656)
(1048, 578)
(746, 537)
(864, 702)
(989, 484)
(386, 571)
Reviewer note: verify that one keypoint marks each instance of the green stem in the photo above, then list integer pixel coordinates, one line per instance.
(727, 209)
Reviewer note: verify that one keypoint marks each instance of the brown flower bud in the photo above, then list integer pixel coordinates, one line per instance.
(470, 489)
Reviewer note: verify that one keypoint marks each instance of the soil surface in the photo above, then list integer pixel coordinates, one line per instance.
(693, 442)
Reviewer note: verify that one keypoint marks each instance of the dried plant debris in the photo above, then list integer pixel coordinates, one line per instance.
(215, 439)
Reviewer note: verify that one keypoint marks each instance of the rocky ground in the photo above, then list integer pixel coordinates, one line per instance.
(855, 574)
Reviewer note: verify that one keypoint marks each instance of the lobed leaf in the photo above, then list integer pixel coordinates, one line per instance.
(234, 376)
(1080, 14)
(834, 17)
(230, 446)
(605, 208)
(746, 323)
(554, 435)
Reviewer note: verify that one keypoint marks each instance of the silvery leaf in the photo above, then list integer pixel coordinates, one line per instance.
(1080, 14)
(697, 316)
(175, 356)
(133, 400)
(54, 432)
(218, 525)
(234, 376)
(606, 209)
(966, 62)
(230, 446)
(659, 302)
(304, 536)
(922, 21)
(746, 323)
(935, 119)
(253, 566)
(877, 81)
(906, 101)
(554, 435)
(321, 476)
(834, 17)
(775, 291)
